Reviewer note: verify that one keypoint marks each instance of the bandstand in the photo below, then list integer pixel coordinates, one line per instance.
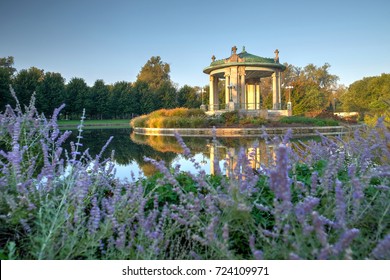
(242, 73)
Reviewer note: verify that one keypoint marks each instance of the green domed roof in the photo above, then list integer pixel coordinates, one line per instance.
(245, 58)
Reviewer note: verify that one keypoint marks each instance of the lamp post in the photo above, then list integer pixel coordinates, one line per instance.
(201, 92)
(334, 101)
(289, 92)
(203, 107)
(231, 104)
(230, 87)
(289, 107)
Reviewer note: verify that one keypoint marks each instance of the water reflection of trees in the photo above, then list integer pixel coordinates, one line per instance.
(126, 151)
(170, 144)
(130, 147)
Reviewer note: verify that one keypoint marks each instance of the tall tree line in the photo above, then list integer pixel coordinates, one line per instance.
(152, 90)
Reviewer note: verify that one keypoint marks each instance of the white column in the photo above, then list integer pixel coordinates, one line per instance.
(211, 95)
(227, 91)
(276, 90)
(251, 96)
(234, 82)
(216, 90)
(242, 100)
(279, 90)
(257, 105)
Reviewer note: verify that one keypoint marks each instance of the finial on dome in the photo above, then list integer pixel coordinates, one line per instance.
(276, 52)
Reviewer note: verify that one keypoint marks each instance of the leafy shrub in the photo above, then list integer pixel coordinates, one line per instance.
(309, 121)
(164, 118)
(139, 121)
(230, 118)
(250, 120)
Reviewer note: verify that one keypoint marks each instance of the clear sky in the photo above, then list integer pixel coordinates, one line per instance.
(113, 39)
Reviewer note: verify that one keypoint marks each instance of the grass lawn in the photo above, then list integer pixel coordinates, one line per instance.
(72, 124)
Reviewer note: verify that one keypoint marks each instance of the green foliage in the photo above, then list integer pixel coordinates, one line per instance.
(178, 117)
(192, 118)
(155, 73)
(6, 74)
(76, 96)
(153, 90)
(313, 87)
(5, 81)
(120, 96)
(97, 106)
(7, 63)
(309, 121)
(189, 97)
(370, 97)
(50, 92)
(26, 83)
(230, 118)
(251, 120)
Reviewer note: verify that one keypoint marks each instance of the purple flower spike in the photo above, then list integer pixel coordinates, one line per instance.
(341, 206)
(382, 250)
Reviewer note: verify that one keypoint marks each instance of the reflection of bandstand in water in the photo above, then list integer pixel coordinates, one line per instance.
(257, 152)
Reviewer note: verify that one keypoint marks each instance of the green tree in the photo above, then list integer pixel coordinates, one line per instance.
(26, 83)
(147, 97)
(50, 93)
(7, 63)
(6, 74)
(119, 100)
(155, 73)
(369, 96)
(191, 96)
(98, 100)
(130, 99)
(167, 93)
(313, 88)
(76, 95)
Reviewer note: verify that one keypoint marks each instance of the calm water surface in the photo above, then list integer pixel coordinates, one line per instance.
(130, 150)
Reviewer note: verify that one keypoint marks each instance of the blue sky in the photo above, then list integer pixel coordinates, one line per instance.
(112, 40)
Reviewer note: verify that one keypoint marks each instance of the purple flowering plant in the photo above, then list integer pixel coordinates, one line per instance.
(327, 199)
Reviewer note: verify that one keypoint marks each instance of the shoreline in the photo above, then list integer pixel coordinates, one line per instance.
(244, 132)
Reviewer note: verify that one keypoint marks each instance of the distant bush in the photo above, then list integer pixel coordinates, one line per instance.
(139, 121)
(251, 120)
(178, 117)
(309, 121)
(230, 118)
(178, 112)
(197, 118)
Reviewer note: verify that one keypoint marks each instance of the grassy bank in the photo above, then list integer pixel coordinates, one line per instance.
(72, 124)
(195, 118)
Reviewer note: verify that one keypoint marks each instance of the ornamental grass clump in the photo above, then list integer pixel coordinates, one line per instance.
(327, 199)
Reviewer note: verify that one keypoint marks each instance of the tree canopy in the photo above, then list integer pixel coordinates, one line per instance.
(370, 97)
(313, 87)
(155, 73)
(6, 73)
(26, 83)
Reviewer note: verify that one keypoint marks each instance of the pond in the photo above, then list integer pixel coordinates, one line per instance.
(130, 150)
